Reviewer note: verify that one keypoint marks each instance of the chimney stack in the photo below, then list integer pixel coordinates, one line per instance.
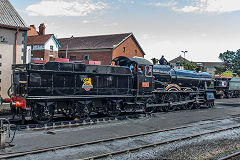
(42, 29)
(33, 26)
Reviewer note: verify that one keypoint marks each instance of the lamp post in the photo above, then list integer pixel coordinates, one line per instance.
(67, 46)
(184, 52)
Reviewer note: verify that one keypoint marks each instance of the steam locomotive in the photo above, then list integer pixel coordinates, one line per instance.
(227, 87)
(39, 91)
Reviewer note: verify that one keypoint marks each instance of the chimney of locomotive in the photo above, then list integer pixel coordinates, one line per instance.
(42, 29)
(199, 67)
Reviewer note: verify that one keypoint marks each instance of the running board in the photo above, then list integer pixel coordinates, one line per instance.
(171, 104)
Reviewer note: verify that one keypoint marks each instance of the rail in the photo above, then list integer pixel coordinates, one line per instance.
(19, 154)
(235, 155)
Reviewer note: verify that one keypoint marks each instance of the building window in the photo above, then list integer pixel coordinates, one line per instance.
(0, 64)
(135, 52)
(85, 57)
(124, 49)
(51, 48)
(61, 55)
(3, 39)
(73, 58)
(0, 56)
(0, 80)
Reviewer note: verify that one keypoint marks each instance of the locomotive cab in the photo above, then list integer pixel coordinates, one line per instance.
(142, 71)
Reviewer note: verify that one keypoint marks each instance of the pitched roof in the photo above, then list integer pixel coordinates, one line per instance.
(205, 64)
(40, 39)
(211, 64)
(179, 59)
(9, 17)
(95, 42)
(32, 31)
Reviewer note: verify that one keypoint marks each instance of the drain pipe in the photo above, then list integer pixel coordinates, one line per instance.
(15, 48)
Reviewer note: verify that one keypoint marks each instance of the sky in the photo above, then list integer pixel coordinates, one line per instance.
(204, 28)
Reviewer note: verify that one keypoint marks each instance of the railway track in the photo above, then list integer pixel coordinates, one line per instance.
(73, 123)
(19, 154)
(233, 156)
(76, 123)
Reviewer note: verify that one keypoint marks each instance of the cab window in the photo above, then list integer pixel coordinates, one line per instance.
(148, 71)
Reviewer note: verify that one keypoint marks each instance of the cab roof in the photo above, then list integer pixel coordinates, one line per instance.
(126, 61)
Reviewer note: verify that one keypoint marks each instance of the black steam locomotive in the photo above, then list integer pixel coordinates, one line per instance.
(227, 87)
(76, 90)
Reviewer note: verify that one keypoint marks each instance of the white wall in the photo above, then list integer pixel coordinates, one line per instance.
(46, 46)
(51, 42)
(7, 51)
(29, 54)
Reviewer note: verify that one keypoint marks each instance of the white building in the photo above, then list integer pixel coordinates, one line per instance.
(40, 45)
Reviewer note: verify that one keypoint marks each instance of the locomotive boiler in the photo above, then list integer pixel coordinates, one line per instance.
(188, 80)
(39, 91)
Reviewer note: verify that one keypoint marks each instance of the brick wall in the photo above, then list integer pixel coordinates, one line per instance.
(104, 56)
(44, 54)
(131, 49)
(37, 54)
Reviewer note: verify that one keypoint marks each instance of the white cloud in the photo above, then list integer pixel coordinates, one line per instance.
(203, 35)
(111, 24)
(210, 6)
(126, 1)
(65, 8)
(85, 21)
(147, 36)
(159, 4)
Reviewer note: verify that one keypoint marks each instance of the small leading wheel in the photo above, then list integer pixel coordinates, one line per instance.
(149, 109)
(113, 109)
(43, 114)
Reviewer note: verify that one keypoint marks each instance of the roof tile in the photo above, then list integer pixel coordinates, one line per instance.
(40, 39)
(93, 42)
(9, 16)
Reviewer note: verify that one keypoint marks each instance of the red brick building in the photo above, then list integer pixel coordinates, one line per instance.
(40, 45)
(102, 48)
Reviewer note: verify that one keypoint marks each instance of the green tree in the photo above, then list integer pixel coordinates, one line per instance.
(227, 74)
(219, 69)
(231, 61)
(189, 65)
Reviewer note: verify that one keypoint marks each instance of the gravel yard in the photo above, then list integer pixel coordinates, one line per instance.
(204, 147)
